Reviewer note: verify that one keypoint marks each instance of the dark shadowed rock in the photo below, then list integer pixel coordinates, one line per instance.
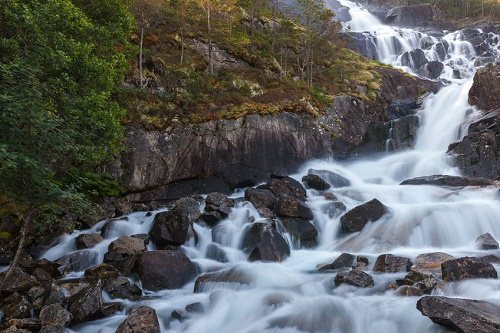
(86, 241)
(409, 291)
(334, 179)
(461, 315)
(102, 271)
(215, 252)
(121, 287)
(107, 309)
(410, 16)
(301, 229)
(387, 263)
(315, 182)
(263, 242)
(14, 305)
(189, 206)
(355, 219)
(486, 242)
(18, 280)
(85, 303)
(361, 43)
(260, 198)
(218, 207)
(355, 278)
(344, 260)
(140, 320)
(54, 315)
(485, 91)
(222, 279)
(123, 253)
(467, 268)
(165, 269)
(414, 59)
(170, 228)
(288, 206)
(287, 185)
(432, 69)
(448, 181)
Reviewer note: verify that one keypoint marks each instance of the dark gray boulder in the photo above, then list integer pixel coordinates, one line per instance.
(388, 263)
(287, 186)
(467, 268)
(260, 198)
(315, 182)
(221, 279)
(355, 278)
(288, 206)
(344, 260)
(355, 219)
(85, 241)
(124, 252)
(334, 179)
(141, 320)
(263, 242)
(432, 69)
(414, 59)
(487, 242)
(448, 181)
(302, 230)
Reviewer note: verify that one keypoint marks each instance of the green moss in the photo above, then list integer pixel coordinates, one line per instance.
(5, 235)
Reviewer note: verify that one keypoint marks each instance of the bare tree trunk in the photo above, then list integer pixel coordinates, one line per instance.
(210, 47)
(182, 46)
(141, 78)
(20, 248)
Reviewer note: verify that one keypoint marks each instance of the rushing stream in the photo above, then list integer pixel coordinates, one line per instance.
(422, 219)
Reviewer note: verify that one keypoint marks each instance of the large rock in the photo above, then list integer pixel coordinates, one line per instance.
(140, 320)
(355, 278)
(289, 206)
(431, 262)
(388, 263)
(411, 16)
(467, 268)
(362, 43)
(218, 207)
(334, 179)
(344, 260)
(263, 242)
(165, 269)
(14, 305)
(54, 315)
(414, 59)
(461, 315)
(485, 91)
(487, 242)
(355, 219)
(315, 182)
(170, 228)
(302, 230)
(86, 241)
(86, 302)
(260, 198)
(448, 181)
(432, 69)
(287, 186)
(222, 279)
(124, 252)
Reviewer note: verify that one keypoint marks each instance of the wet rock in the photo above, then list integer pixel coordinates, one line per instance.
(414, 59)
(121, 287)
(23, 325)
(85, 304)
(170, 228)
(260, 198)
(334, 179)
(410, 15)
(222, 279)
(302, 230)
(140, 320)
(361, 43)
(388, 263)
(344, 260)
(218, 199)
(334, 209)
(195, 307)
(409, 291)
(18, 280)
(461, 315)
(144, 237)
(86, 241)
(107, 309)
(263, 242)
(431, 262)
(165, 269)
(288, 206)
(102, 271)
(216, 253)
(14, 305)
(54, 315)
(427, 285)
(180, 315)
(485, 91)
(355, 219)
(287, 185)
(493, 259)
(37, 296)
(189, 206)
(341, 12)
(354, 278)
(218, 207)
(123, 253)
(432, 69)
(315, 182)
(486, 242)
(403, 132)
(467, 268)
(448, 181)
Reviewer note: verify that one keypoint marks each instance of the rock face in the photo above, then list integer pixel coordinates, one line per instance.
(165, 269)
(467, 268)
(449, 181)
(223, 154)
(461, 315)
(355, 278)
(263, 242)
(355, 219)
(140, 320)
(411, 16)
(485, 91)
(361, 43)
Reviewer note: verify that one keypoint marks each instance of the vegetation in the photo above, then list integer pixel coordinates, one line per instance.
(60, 62)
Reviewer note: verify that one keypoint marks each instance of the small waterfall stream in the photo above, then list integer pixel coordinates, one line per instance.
(292, 296)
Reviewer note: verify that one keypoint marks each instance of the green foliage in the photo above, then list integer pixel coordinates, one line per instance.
(60, 61)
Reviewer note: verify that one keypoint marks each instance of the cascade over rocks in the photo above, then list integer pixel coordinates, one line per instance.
(432, 69)
(211, 281)
(355, 219)
(86, 241)
(140, 320)
(301, 229)
(164, 269)
(414, 59)
(410, 16)
(264, 243)
(467, 268)
(461, 315)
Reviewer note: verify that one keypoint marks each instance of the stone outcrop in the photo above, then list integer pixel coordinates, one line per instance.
(461, 315)
(411, 16)
(485, 91)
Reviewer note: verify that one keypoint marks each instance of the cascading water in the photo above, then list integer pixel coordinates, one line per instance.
(292, 296)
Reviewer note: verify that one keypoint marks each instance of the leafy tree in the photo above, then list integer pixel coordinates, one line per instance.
(60, 61)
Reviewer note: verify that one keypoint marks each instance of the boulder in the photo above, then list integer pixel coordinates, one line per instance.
(411, 15)
(355, 278)
(141, 320)
(222, 279)
(409, 291)
(432, 69)
(334, 209)
(189, 206)
(344, 260)
(341, 12)
(302, 230)
(429, 263)
(287, 186)
(486, 242)
(85, 303)
(215, 252)
(485, 91)
(315, 182)
(102, 271)
(461, 315)
(355, 219)
(124, 252)
(86, 241)
(388, 263)
(218, 206)
(54, 315)
(448, 181)
(14, 305)
(107, 309)
(362, 43)
(467, 268)
(414, 59)
(18, 280)
(334, 179)
(260, 198)
(170, 228)
(263, 242)
(165, 269)
(288, 206)
(121, 287)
